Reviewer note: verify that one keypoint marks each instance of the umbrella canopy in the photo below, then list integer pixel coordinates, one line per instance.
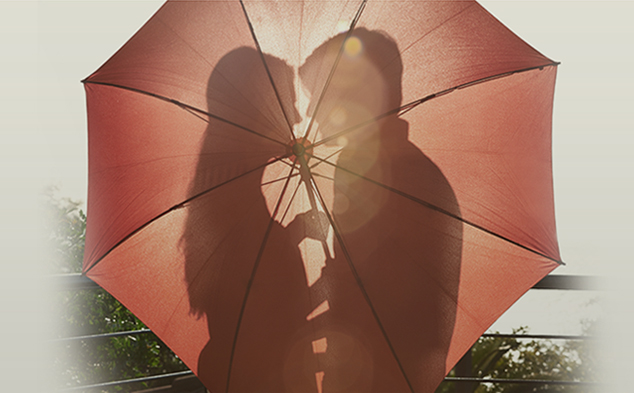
(320, 196)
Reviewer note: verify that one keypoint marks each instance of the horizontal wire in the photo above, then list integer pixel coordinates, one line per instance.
(540, 336)
(126, 381)
(520, 381)
(103, 335)
(566, 282)
(446, 379)
(484, 335)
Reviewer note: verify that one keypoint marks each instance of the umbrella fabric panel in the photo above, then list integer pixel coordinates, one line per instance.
(505, 123)
(416, 49)
(174, 53)
(185, 274)
(282, 347)
(434, 283)
(494, 274)
(283, 326)
(407, 257)
(143, 158)
(275, 347)
(493, 143)
(292, 30)
(148, 278)
(443, 44)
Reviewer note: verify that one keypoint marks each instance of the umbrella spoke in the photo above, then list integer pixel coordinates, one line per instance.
(298, 60)
(401, 110)
(188, 108)
(268, 71)
(290, 202)
(254, 271)
(278, 180)
(348, 130)
(323, 176)
(357, 277)
(332, 70)
(329, 156)
(438, 209)
(178, 206)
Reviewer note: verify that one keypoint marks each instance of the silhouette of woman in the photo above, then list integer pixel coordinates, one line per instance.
(393, 285)
(252, 293)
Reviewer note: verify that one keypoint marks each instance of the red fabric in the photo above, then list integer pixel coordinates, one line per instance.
(421, 210)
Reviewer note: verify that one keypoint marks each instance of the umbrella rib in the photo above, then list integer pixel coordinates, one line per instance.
(268, 71)
(187, 107)
(178, 206)
(277, 180)
(334, 67)
(327, 157)
(299, 46)
(358, 280)
(413, 104)
(323, 177)
(252, 277)
(290, 202)
(440, 210)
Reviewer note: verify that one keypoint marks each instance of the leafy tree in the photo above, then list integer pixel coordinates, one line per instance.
(66, 227)
(87, 312)
(513, 358)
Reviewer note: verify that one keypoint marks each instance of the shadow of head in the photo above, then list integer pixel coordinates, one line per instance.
(365, 81)
(256, 90)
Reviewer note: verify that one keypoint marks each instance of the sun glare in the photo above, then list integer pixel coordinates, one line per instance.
(353, 47)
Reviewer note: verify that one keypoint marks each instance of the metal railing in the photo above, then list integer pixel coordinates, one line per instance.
(551, 282)
(554, 281)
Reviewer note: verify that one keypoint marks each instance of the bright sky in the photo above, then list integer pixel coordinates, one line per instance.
(49, 46)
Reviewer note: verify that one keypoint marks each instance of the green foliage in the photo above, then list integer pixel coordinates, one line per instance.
(513, 358)
(66, 227)
(93, 311)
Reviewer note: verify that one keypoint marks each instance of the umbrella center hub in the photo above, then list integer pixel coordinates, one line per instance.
(300, 148)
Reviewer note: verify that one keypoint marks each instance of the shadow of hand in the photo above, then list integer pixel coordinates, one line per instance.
(312, 224)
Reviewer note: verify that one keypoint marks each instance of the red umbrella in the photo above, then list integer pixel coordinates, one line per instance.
(320, 196)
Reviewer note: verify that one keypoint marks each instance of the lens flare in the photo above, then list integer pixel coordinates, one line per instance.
(342, 141)
(353, 47)
(338, 116)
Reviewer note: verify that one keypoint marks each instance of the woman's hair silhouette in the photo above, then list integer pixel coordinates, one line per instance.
(230, 235)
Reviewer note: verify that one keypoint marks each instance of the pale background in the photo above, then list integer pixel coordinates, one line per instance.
(47, 47)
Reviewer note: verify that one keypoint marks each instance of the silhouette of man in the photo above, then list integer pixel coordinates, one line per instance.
(392, 288)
